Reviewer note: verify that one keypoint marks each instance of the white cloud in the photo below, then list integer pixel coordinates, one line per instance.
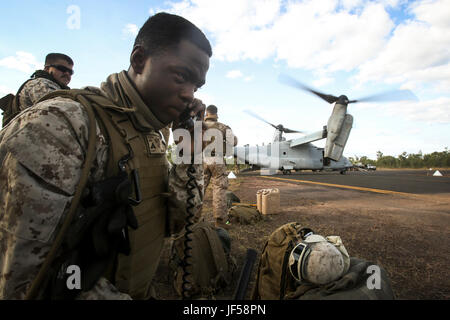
(418, 50)
(205, 97)
(313, 36)
(351, 4)
(22, 61)
(431, 111)
(322, 81)
(240, 28)
(435, 110)
(234, 74)
(306, 34)
(331, 35)
(237, 74)
(131, 29)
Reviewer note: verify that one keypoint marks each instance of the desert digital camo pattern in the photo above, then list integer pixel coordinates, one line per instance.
(35, 89)
(216, 172)
(217, 175)
(41, 154)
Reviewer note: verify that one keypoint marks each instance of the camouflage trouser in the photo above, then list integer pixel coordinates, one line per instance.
(217, 173)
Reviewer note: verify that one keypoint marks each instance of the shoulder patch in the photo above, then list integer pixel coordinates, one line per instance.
(155, 145)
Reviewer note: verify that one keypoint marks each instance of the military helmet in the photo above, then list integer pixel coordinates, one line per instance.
(317, 261)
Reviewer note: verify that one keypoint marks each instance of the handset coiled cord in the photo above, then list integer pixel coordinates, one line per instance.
(186, 262)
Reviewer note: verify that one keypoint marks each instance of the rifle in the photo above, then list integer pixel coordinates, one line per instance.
(246, 272)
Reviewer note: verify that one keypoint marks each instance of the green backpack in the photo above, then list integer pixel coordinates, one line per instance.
(273, 280)
(244, 214)
(211, 265)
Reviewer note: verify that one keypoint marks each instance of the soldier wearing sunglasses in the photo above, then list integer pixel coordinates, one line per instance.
(56, 75)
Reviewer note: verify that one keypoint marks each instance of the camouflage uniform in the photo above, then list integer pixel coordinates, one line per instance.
(217, 172)
(29, 93)
(35, 89)
(42, 152)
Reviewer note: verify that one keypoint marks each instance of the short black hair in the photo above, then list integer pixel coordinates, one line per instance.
(212, 109)
(164, 30)
(51, 58)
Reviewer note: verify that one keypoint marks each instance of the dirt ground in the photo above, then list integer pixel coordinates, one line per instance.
(407, 235)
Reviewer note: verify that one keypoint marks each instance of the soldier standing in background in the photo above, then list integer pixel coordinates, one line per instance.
(217, 171)
(57, 73)
(131, 200)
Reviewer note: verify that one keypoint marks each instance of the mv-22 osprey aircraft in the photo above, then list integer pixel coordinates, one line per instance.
(300, 153)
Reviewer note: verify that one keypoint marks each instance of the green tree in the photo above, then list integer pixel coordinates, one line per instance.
(387, 162)
(414, 160)
(379, 155)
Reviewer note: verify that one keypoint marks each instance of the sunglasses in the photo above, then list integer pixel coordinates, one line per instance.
(62, 68)
(296, 258)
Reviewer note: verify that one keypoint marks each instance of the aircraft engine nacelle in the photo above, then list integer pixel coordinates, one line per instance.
(338, 130)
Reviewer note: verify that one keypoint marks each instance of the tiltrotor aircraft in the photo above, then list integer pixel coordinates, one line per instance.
(300, 153)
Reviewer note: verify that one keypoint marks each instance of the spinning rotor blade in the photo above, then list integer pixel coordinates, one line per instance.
(279, 127)
(286, 130)
(259, 118)
(395, 95)
(296, 84)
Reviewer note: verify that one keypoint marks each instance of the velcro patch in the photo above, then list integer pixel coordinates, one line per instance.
(155, 144)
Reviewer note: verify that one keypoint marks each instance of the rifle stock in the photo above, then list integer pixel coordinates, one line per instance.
(244, 278)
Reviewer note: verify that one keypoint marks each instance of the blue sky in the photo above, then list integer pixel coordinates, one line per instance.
(350, 47)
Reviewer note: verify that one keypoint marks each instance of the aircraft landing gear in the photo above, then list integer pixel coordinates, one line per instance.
(286, 172)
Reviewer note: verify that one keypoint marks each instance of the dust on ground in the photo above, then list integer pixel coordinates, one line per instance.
(407, 236)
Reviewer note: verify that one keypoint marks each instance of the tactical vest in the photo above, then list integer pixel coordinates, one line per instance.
(135, 272)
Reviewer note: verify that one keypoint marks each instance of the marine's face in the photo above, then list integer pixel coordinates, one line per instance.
(168, 81)
(60, 70)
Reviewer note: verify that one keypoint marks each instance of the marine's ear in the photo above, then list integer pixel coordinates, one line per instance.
(138, 58)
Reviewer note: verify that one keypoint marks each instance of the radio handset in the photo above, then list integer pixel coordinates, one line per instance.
(186, 120)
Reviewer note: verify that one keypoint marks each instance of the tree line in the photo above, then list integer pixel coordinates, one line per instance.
(407, 160)
(403, 160)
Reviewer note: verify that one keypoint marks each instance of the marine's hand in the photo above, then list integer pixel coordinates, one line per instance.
(198, 109)
(195, 112)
